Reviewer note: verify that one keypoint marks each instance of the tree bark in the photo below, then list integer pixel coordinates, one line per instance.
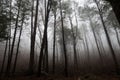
(74, 46)
(4, 57)
(99, 52)
(14, 38)
(109, 41)
(33, 37)
(44, 40)
(18, 45)
(63, 40)
(54, 41)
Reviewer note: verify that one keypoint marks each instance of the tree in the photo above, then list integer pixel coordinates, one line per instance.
(33, 37)
(14, 38)
(44, 40)
(93, 30)
(24, 13)
(112, 21)
(4, 20)
(63, 40)
(54, 10)
(108, 39)
(116, 5)
(74, 45)
(4, 57)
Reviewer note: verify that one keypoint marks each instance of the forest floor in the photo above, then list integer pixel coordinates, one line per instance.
(85, 77)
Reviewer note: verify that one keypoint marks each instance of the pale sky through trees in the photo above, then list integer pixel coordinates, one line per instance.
(25, 39)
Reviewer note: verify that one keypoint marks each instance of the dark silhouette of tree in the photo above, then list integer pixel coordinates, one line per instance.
(54, 11)
(5, 20)
(63, 40)
(44, 40)
(23, 14)
(74, 45)
(14, 39)
(4, 57)
(108, 39)
(32, 50)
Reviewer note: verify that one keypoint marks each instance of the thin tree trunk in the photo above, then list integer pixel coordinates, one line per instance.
(99, 52)
(88, 52)
(46, 52)
(109, 41)
(40, 36)
(32, 50)
(18, 45)
(4, 57)
(100, 42)
(76, 20)
(44, 38)
(54, 41)
(14, 38)
(46, 41)
(74, 46)
(10, 28)
(64, 45)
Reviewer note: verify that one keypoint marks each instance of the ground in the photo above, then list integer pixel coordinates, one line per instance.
(84, 77)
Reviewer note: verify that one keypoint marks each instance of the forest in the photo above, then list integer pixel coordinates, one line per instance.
(59, 39)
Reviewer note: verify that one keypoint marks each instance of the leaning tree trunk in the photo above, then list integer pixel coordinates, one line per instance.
(44, 38)
(93, 30)
(108, 39)
(14, 38)
(18, 45)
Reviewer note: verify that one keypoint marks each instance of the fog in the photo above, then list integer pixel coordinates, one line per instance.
(83, 27)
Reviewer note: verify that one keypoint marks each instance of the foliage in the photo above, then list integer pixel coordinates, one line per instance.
(54, 6)
(3, 27)
(4, 21)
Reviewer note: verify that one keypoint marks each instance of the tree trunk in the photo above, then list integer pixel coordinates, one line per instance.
(10, 28)
(76, 21)
(4, 57)
(109, 41)
(54, 40)
(99, 52)
(14, 38)
(85, 41)
(44, 38)
(18, 45)
(74, 46)
(64, 45)
(46, 52)
(33, 37)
